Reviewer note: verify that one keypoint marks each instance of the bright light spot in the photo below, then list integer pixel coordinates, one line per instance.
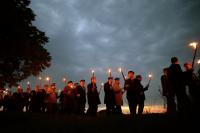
(193, 44)
(198, 62)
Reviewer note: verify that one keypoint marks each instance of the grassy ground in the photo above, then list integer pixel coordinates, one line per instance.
(57, 123)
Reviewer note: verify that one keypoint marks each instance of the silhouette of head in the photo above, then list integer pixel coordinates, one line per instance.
(174, 60)
(131, 74)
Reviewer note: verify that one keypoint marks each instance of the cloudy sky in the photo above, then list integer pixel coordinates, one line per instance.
(138, 35)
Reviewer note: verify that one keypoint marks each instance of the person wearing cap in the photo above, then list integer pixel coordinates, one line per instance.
(118, 96)
(69, 98)
(131, 86)
(81, 97)
(109, 98)
(93, 98)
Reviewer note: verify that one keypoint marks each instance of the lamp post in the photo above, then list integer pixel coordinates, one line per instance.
(120, 70)
(194, 45)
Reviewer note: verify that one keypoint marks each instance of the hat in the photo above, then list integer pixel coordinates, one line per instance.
(82, 80)
(131, 72)
(69, 82)
(117, 78)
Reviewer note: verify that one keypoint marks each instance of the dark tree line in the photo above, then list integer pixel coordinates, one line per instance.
(22, 51)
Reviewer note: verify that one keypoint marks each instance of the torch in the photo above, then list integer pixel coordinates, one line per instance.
(48, 80)
(64, 80)
(102, 84)
(150, 76)
(40, 79)
(120, 70)
(194, 45)
(93, 73)
(109, 72)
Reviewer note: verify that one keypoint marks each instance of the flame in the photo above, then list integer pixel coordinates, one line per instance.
(40, 78)
(28, 83)
(109, 70)
(64, 79)
(120, 69)
(193, 44)
(47, 78)
(150, 76)
(198, 62)
(102, 84)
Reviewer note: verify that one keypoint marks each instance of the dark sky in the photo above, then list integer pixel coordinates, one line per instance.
(138, 35)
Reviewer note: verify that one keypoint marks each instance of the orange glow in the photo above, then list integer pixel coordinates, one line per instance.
(150, 76)
(193, 44)
(198, 62)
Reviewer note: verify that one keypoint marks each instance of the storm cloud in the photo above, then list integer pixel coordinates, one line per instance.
(138, 35)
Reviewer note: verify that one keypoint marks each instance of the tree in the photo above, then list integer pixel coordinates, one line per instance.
(22, 51)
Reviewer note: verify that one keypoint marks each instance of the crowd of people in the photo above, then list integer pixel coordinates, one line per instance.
(175, 84)
(74, 96)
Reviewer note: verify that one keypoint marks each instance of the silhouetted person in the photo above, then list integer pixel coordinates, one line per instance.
(132, 87)
(177, 84)
(93, 98)
(69, 98)
(81, 97)
(52, 99)
(141, 94)
(118, 96)
(168, 92)
(27, 98)
(191, 81)
(109, 98)
(18, 99)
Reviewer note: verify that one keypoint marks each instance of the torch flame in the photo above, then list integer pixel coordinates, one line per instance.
(40, 78)
(120, 69)
(102, 84)
(64, 79)
(47, 78)
(28, 83)
(150, 76)
(198, 62)
(193, 44)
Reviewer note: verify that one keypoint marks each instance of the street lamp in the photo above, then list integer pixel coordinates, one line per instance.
(194, 45)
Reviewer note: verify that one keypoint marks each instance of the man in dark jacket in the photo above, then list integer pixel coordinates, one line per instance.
(93, 97)
(132, 87)
(81, 97)
(69, 98)
(168, 92)
(177, 84)
(109, 98)
(141, 94)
